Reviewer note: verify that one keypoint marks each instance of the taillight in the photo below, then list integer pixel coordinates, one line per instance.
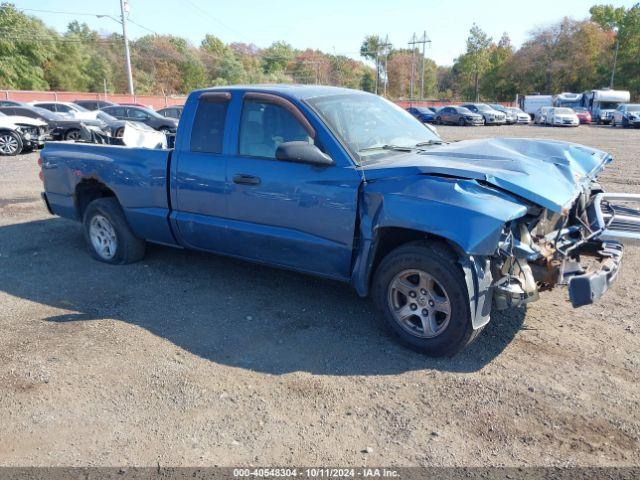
(41, 176)
(40, 162)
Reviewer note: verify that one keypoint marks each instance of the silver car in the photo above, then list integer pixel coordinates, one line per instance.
(491, 116)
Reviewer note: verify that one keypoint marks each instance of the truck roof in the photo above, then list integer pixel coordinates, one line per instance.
(291, 90)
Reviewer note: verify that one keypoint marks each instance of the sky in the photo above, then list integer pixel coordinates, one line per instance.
(333, 26)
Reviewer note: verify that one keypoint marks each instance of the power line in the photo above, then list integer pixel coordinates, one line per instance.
(55, 11)
(197, 7)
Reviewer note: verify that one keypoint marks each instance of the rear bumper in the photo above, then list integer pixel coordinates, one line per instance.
(43, 195)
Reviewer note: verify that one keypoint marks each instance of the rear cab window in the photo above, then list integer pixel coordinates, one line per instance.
(207, 133)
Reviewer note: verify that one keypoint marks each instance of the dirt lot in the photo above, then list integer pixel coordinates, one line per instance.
(192, 359)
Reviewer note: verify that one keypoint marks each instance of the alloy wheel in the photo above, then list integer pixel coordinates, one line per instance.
(8, 144)
(419, 303)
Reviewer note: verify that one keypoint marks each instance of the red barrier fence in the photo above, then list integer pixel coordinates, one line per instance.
(155, 101)
(161, 101)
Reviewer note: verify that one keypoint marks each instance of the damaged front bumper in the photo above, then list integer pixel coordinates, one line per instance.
(585, 288)
(584, 254)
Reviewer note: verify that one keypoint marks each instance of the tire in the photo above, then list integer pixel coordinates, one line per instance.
(119, 132)
(440, 265)
(105, 220)
(438, 121)
(613, 122)
(461, 122)
(10, 143)
(72, 134)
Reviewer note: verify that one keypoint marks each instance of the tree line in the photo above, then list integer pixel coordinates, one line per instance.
(570, 55)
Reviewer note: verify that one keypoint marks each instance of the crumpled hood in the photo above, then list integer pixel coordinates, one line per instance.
(546, 172)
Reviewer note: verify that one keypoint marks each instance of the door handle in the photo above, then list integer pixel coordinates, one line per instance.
(244, 179)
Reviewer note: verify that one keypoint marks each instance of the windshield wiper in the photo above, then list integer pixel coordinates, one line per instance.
(396, 148)
(429, 142)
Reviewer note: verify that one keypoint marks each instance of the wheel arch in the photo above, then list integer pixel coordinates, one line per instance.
(88, 190)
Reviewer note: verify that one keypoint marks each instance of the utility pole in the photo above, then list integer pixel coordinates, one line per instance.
(615, 59)
(412, 43)
(124, 7)
(386, 46)
(423, 41)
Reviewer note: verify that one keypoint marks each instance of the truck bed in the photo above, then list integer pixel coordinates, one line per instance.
(137, 177)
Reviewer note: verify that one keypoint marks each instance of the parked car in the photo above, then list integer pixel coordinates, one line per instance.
(424, 114)
(454, 115)
(143, 115)
(540, 117)
(627, 115)
(491, 116)
(93, 105)
(10, 103)
(20, 134)
(61, 128)
(344, 184)
(583, 114)
(511, 117)
(66, 109)
(114, 126)
(174, 111)
(522, 117)
(562, 117)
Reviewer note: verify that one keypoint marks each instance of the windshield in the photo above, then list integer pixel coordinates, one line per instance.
(608, 105)
(499, 108)
(364, 121)
(570, 103)
(463, 110)
(633, 107)
(564, 111)
(423, 110)
(77, 107)
(152, 113)
(105, 117)
(483, 108)
(48, 114)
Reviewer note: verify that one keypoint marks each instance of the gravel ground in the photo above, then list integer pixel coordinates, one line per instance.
(192, 359)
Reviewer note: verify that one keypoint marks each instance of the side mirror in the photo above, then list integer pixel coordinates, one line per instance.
(302, 152)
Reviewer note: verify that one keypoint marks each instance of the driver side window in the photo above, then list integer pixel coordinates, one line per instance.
(264, 126)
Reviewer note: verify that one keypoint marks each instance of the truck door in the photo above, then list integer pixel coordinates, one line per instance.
(198, 176)
(285, 213)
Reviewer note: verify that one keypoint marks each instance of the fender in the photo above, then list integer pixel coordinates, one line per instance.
(468, 215)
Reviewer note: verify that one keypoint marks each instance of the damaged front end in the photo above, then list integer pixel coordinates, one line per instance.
(580, 247)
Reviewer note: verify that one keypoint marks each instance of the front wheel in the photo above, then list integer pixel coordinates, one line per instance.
(421, 291)
(10, 143)
(108, 235)
(613, 123)
(461, 122)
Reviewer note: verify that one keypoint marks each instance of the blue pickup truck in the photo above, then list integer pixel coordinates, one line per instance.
(346, 185)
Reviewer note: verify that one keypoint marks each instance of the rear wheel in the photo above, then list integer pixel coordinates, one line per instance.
(73, 134)
(108, 235)
(10, 143)
(613, 122)
(421, 291)
(119, 132)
